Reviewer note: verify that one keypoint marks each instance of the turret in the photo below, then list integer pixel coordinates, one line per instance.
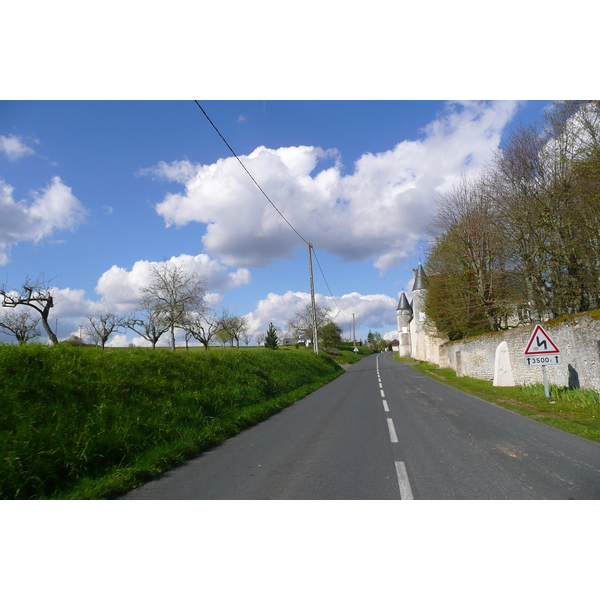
(404, 314)
(419, 283)
(418, 336)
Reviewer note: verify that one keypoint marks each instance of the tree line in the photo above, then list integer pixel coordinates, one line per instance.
(174, 299)
(520, 242)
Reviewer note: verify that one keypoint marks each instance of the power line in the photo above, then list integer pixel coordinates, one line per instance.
(272, 203)
(249, 174)
(325, 280)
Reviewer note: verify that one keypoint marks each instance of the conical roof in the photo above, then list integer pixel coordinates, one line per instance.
(404, 304)
(419, 278)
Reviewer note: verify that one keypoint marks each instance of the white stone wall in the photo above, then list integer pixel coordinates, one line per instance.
(577, 337)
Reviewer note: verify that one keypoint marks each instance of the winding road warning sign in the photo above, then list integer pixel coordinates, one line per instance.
(541, 350)
(540, 343)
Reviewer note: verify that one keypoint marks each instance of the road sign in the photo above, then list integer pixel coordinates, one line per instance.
(541, 350)
(540, 344)
(550, 359)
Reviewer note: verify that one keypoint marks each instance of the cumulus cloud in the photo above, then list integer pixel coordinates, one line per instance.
(378, 211)
(72, 304)
(374, 311)
(13, 147)
(120, 288)
(53, 208)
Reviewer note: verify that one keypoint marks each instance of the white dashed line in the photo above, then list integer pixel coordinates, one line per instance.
(393, 436)
(382, 393)
(403, 483)
(385, 406)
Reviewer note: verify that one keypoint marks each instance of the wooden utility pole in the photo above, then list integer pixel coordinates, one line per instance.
(312, 301)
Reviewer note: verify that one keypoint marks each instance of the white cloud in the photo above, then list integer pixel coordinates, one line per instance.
(14, 148)
(375, 311)
(118, 340)
(53, 208)
(120, 288)
(72, 304)
(377, 212)
(180, 171)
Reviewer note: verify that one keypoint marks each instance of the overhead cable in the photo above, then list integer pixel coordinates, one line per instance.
(249, 174)
(270, 201)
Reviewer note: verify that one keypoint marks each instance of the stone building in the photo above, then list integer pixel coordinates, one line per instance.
(417, 337)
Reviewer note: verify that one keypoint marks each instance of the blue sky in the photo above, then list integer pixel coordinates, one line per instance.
(94, 191)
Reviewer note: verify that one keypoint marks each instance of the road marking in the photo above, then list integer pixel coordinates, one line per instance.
(382, 393)
(380, 385)
(393, 436)
(403, 483)
(385, 406)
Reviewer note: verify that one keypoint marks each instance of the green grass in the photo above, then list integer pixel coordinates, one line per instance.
(346, 355)
(575, 411)
(87, 423)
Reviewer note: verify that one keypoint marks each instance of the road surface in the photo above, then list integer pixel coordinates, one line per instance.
(384, 431)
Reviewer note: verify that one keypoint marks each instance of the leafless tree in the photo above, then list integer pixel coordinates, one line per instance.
(37, 295)
(202, 327)
(149, 325)
(20, 324)
(173, 293)
(102, 326)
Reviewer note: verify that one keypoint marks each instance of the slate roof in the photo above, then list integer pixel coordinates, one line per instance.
(419, 278)
(403, 304)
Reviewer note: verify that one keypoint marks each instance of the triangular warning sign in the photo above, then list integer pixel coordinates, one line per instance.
(540, 343)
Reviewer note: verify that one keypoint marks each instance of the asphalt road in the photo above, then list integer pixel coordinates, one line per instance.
(384, 431)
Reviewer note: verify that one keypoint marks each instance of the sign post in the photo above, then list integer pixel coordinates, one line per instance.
(541, 350)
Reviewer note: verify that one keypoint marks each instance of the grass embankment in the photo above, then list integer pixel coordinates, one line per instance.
(346, 355)
(576, 411)
(86, 423)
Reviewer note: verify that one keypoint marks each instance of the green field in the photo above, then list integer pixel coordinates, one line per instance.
(86, 423)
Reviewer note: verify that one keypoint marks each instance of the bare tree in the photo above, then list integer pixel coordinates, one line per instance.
(150, 325)
(37, 295)
(102, 326)
(173, 293)
(202, 327)
(21, 325)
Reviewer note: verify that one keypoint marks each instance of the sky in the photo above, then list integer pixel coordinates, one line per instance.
(94, 192)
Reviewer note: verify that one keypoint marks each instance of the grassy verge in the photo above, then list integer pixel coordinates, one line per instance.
(575, 411)
(342, 355)
(86, 423)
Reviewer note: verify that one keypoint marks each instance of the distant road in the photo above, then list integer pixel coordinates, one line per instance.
(384, 431)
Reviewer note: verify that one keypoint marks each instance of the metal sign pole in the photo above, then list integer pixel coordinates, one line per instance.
(545, 375)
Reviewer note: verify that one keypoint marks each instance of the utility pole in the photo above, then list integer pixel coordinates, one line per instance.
(354, 331)
(312, 301)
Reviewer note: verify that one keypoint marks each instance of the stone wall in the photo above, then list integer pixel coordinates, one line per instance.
(577, 338)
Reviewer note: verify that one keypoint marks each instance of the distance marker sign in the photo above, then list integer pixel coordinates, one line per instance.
(540, 349)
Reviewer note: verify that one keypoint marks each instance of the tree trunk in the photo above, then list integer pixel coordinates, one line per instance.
(49, 331)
